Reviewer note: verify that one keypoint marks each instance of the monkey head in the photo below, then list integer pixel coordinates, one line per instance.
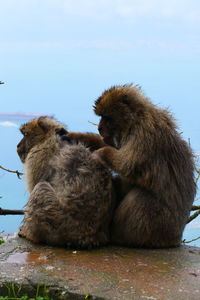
(35, 132)
(120, 112)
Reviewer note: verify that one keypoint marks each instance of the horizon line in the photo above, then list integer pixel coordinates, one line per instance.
(20, 115)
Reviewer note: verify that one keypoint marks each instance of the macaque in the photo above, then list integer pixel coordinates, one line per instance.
(70, 203)
(155, 169)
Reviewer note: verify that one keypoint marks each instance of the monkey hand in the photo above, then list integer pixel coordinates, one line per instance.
(105, 155)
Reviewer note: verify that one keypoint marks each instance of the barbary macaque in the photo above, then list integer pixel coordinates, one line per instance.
(152, 159)
(70, 201)
(154, 185)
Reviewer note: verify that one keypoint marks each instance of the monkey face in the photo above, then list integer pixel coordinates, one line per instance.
(35, 132)
(21, 150)
(105, 131)
(26, 144)
(108, 130)
(116, 115)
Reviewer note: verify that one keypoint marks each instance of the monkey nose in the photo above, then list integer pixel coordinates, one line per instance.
(18, 147)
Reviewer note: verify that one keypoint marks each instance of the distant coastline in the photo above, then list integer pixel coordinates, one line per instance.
(20, 116)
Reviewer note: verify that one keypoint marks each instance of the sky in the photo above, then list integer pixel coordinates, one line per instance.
(58, 56)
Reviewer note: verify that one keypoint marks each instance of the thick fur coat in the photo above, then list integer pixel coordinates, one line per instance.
(150, 155)
(70, 201)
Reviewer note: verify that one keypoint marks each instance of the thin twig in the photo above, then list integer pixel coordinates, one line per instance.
(192, 217)
(1, 82)
(16, 172)
(197, 170)
(187, 242)
(93, 123)
(4, 212)
(195, 207)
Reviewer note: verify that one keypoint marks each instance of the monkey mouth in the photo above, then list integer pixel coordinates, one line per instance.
(22, 157)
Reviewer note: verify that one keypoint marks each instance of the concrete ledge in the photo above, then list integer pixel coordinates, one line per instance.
(106, 273)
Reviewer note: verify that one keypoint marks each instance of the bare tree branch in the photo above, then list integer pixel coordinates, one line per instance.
(195, 207)
(198, 174)
(16, 172)
(187, 242)
(1, 82)
(192, 217)
(4, 212)
(93, 123)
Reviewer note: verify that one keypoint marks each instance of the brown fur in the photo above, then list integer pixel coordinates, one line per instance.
(70, 201)
(155, 164)
(90, 140)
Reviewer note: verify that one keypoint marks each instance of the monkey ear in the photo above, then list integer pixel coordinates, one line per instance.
(43, 124)
(61, 131)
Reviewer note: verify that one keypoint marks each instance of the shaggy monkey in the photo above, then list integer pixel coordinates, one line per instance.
(70, 201)
(153, 161)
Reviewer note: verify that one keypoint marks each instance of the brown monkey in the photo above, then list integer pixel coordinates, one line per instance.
(70, 201)
(154, 164)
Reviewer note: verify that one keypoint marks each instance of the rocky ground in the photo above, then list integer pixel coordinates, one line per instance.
(106, 273)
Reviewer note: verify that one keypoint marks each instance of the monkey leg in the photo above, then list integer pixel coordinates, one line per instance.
(61, 222)
(40, 214)
(139, 221)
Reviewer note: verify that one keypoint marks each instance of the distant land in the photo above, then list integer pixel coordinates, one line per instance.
(20, 116)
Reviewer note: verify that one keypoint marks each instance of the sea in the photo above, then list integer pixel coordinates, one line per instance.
(13, 193)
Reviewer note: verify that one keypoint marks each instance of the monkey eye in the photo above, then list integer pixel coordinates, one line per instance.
(24, 132)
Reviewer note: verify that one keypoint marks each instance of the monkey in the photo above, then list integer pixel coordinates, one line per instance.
(153, 166)
(153, 163)
(70, 202)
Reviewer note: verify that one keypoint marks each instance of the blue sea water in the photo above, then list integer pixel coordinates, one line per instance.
(14, 194)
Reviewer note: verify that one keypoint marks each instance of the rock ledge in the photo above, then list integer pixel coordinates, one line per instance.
(106, 273)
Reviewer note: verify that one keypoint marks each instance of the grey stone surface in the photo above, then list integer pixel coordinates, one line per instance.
(106, 273)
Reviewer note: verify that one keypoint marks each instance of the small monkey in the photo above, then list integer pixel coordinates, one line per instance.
(155, 169)
(70, 201)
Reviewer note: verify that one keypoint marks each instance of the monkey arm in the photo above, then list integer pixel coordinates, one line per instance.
(121, 161)
(91, 140)
(109, 156)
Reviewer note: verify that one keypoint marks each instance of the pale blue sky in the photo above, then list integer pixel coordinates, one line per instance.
(57, 56)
